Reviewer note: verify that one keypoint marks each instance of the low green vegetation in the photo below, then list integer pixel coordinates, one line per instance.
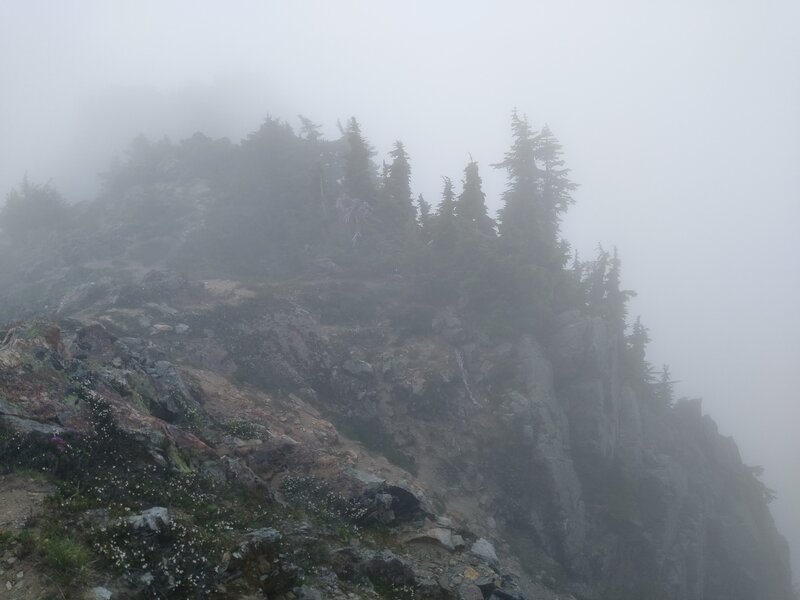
(244, 430)
(110, 474)
(67, 558)
(315, 497)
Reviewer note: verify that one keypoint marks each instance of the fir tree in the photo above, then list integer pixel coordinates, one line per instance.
(640, 370)
(638, 340)
(556, 187)
(596, 283)
(537, 195)
(444, 230)
(447, 207)
(309, 130)
(575, 286)
(664, 391)
(32, 210)
(424, 217)
(520, 221)
(399, 207)
(471, 203)
(359, 171)
(615, 299)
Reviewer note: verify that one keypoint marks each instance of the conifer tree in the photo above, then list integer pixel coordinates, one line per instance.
(444, 231)
(384, 176)
(424, 217)
(309, 130)
(31, 211)
(399, 205)
(359, 171)
(596, 283)
(637, 340)
(664, 390)
(447, 207)
(471, 203)
(556, 186)
(575, 285)
(615, 299)
(520, 221)
(537, 194)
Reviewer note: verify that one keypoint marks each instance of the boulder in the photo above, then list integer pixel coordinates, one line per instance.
(358, 368)
(99, 593)
(483, 548)
(436, 535)
(387, 567)
(469, 591)
(153, 519)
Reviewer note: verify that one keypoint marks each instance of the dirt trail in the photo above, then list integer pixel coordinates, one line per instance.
(21, 497)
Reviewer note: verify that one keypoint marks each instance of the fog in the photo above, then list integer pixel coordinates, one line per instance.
(679, 120)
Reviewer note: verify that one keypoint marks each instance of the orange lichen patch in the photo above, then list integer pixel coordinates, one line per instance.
(471, 574)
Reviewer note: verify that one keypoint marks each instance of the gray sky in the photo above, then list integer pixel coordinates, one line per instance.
(680, 120)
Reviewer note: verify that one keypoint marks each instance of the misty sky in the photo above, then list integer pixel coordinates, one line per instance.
(680, 120)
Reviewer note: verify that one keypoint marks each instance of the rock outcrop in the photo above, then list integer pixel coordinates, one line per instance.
(433, 464)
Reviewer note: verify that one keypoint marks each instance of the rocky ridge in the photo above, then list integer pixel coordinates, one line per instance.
(323, 438)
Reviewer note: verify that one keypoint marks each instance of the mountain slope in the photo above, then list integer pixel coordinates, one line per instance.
(541, 450)
(236, 379)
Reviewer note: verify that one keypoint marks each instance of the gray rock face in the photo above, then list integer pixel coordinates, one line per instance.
(79, 297)
(547, 447)
(559, 516)
(580, 463)
(308, 593)
(153, 519)
(99, 593)
(357, 368)
(265, 535)
(468, 591)
(662, 480)
(483, 548)
(550, 449)
(388, 567)
(437, 535)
